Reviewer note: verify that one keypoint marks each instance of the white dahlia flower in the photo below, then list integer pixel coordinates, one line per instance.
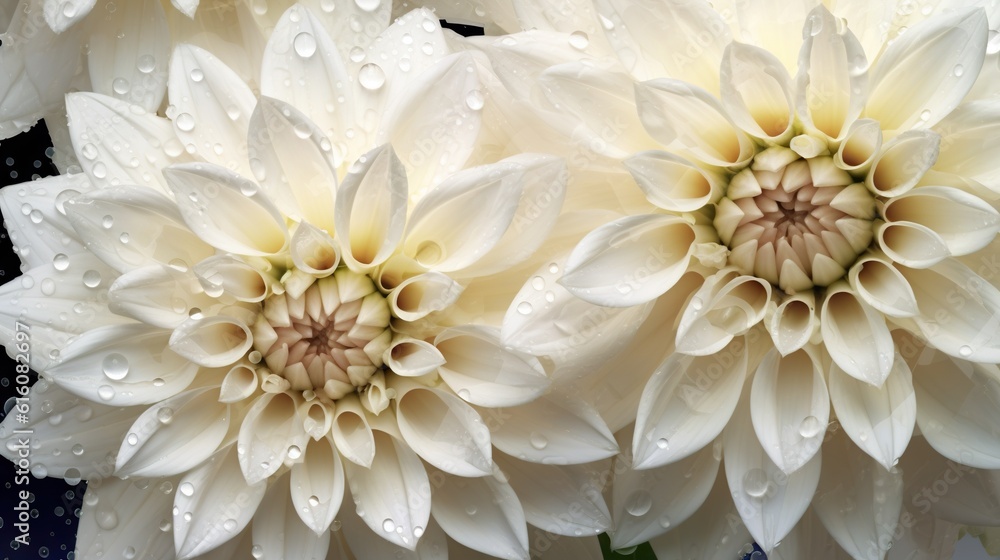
(820, 254)
(243, 314)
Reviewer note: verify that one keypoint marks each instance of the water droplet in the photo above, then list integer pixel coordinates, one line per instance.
(115, 366)
(35, 216)
(538, 441)
(184, 122)
(810, 427)
(105, 392)
(371, 76)
(474, 100)
(665, 522)
(121, 86)
(418, 531)
(248, 188)
(696, 303)
(356, 54)
(313, 501)
(92, 279)
(187, 489)
(550, 296)
(129, 553)
(77, 450)
(428, 25)
(124, 238)
(229, 525)
(471, 509)
(165, 415)
(965, 351)
(48, 286)
(107, 221)
(579, 40)
(257, 551)
(755, 483)
(464, 394)
(304, 44)
(197, 75)
(925, 115)
(662, 443)
(639, 503)
(959, 70)
(146, 63)
(524, 308)
(132, 439)
(815, 25)
(388, 526)
(107, 519)
(294, 452)
(429, 253)
(368, 5)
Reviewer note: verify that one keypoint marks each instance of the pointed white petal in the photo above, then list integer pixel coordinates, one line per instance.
(757, 91)
(793, 323)
(71, 437)
(881, 286)
(630, 260)
(727, 305)
(212, 341)
(645, 504)
(232, 278)
(483, 372)
(123, 365)
(481, 513)
(371, 208)
(62, 14)
(38, 243)
(672, 182)
(149, 222)
(810, 539)
(687, 118)
(790, 407)
(832, 82)
(410, 357)
(856, 336)
(226, 210)
(120, 518)
(914, 82)
(444, 430)
(352, 433)
(423, 294)
(133, 47)
(279, 533)
(317, 485)
(294, 162)
(365, 543)
(686, 404)
(769, 25)
(558, 499)
(861, 145)
(269, 429)
(965, 146)
(769, 501)
(394, 493)
(552, 430)
(159, 296)
(213, 106)
(964, 221)
(911, 244)
(879, 420)
(174, 435)
(213, 503)
(313, 251)
(902, 162)
(186, 7)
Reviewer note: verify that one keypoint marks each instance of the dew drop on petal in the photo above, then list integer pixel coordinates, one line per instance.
(810, 427)
(197, 75)
(474, 100)
(107, 519)
(471, 509)
(48, 286)
(388, 526)
(418, 531)
(579, 40)
(356, 54)
(662, 443)
(132, 439)
(121, 86)
(524, 308)
(146, 63)
(313, 501)
(371, 76)
(107, 221)
(257, 551)
(294, 452)
(639, 503)
(368, 5)
(77, 450)
(959, 70)
(304, 44)
(925, 115)
(165, 415)
(115, 366)
(229, 525)
(184, 122)
(187, 489)
(965, 351)
(464, 394)
(538, 441)
(553, 268)
(91, 279)
(755, 483)
(105, 392)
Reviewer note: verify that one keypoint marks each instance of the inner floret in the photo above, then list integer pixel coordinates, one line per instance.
(328, 337)
(795, 220)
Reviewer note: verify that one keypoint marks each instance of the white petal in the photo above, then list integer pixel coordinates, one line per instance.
(212, 341)
(352, 433)
(959, 310)
(971, 497)
(300, 46)
(727, 305)
(831, 82)
(313, 251)
(365, 543)
(645, 504)
(371, 208)
(233, 278)
(558, 499)
(769, 501)
(459, 221)
(60, 14)
(186, 7)
(687, 118)
(880, 420)
(443, 430)
(790, 408)
(964, 221)
(293, 162)
(117, 143)
(856, 336)
(132, 47)
(123, 365)
(71, 437)
(860, 146)
(769, 25)
(239, 383)
(150, 222)
(483, 372)
(793, 323)
(911, 244)
(279, 533)
(630, 260)
(38, 243)
(902, 162)
(317, 485)
(213, 106)
(810, 539)
(174, 436)
(672, 182)
(423, 294)
(647, 52)
(757, 91)
(553, 430)
(410, 357)
(481, 513)
(914, 82)
(714, 532)
(393, 493)
(433, 150)
(269, 429)
(134, 510)
(213, 503)
(226, 210)
(160, 296)
(954, 411)
(965, 146)
(881, 286)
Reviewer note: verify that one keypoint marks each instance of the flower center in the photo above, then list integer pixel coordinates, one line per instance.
(327, 337)
(794, 218)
